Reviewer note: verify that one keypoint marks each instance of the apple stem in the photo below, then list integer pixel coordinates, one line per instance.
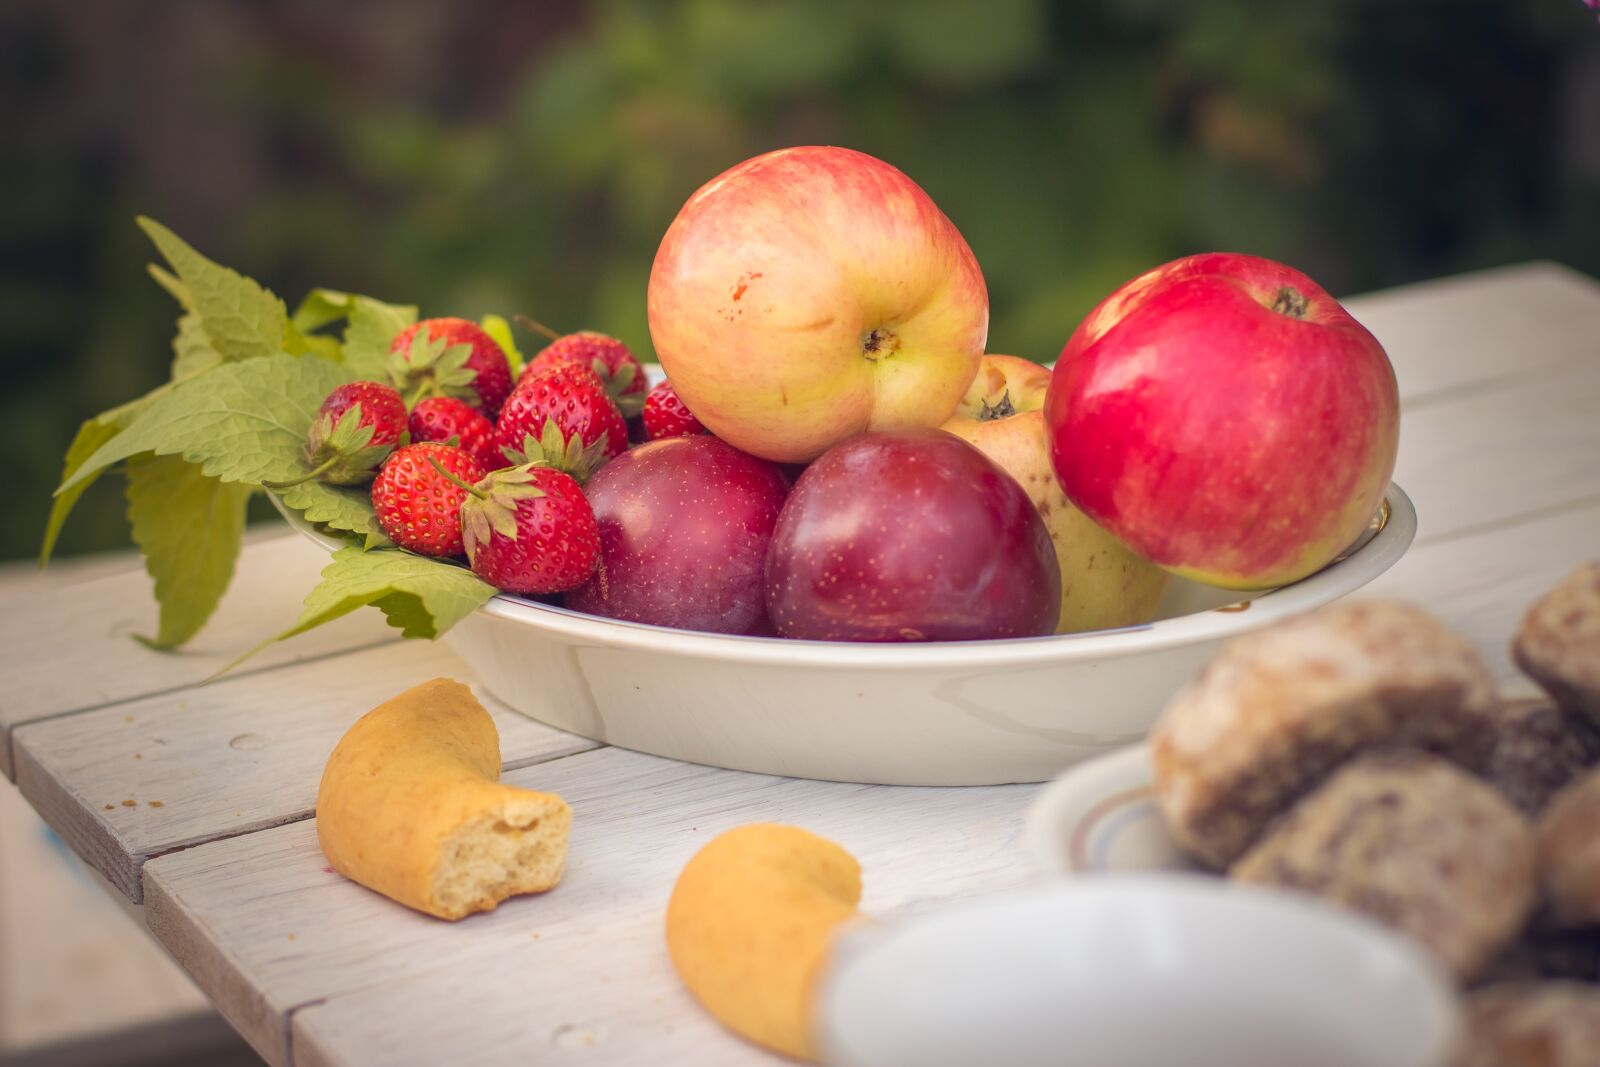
(1291, 302)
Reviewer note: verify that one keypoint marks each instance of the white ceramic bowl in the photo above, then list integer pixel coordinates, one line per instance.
(1123, 971)
(953, 713)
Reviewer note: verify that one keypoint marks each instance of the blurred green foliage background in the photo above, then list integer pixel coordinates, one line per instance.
(493, 155)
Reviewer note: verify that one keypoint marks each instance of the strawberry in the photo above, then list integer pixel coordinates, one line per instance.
(666, 415)
(617, 368)
(354, 430)
(418, 507)
(571, 397)
(454, 358)
(529, 529)
(440, 418)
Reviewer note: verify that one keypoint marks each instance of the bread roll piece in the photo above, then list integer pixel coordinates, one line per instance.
(1532, 1024)
(1569, 853)
(1415, 843)
(411, 806)
(750, 926)
(1558, 644)
(1541, 749)
(1276, 711)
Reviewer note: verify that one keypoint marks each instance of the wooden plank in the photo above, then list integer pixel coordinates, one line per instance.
(1482, 583)
(1476, 330)
(137, 780)
(1486, 458)
(72, 965)
(265, 927)
(140, 779)
(70, 649)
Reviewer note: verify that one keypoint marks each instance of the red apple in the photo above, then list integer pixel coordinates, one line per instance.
(1226, 418)
(1103, 584)
(810, 294)
(684, 528)
(910, 535)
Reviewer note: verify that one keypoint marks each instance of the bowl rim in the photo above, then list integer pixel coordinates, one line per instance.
(1348, 574)
(1374, 556)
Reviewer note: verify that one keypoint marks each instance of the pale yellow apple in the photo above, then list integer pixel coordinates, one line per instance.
(1103, 584)
(810, 294)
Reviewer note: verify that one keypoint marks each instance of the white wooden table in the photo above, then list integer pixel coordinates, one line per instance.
(196, 803)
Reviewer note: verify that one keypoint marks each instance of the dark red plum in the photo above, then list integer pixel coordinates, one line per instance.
(910, 535)
(684, 528)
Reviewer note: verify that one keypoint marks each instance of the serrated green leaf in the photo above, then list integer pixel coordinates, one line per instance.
(175, 289)
(420, 596)
(191, 348)
(91, 435)
(243, 422)
(243, 320)
(345, 510)
(319, 308)
(189, 527)
(373, 327)
(497, 327)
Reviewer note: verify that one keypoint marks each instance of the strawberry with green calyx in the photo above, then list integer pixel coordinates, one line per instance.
(567, 454)
(570, 396)
(528, 529)
(666, 415)
(618, 369)
(418, 494)
(355, 429)
(445, 418)
(451, 357)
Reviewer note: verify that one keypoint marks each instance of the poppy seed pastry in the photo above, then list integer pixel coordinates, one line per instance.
(1276, 711)
(1569, 853)
(1532, 1024)
(411, 806)
(1558, 643)
(1542, 748)
(1415, 843)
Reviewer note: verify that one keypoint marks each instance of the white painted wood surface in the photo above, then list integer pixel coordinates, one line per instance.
(242, 754)
(636, 820)
(68, 648)
(1500, 380)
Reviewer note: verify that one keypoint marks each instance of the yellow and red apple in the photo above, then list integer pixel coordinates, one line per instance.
(810, 294)
(1225, 417)
(1103, 584)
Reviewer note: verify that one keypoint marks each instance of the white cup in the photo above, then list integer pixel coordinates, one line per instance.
(1135, 971)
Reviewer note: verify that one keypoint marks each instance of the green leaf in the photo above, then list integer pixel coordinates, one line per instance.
(91, 435)
(342, 509)
(497, 327)
(189, 527)
(372, 329)
(242, 319)
(175, 289)
(319, 308)
(243, 422)
(191, 348)
(421, 597)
